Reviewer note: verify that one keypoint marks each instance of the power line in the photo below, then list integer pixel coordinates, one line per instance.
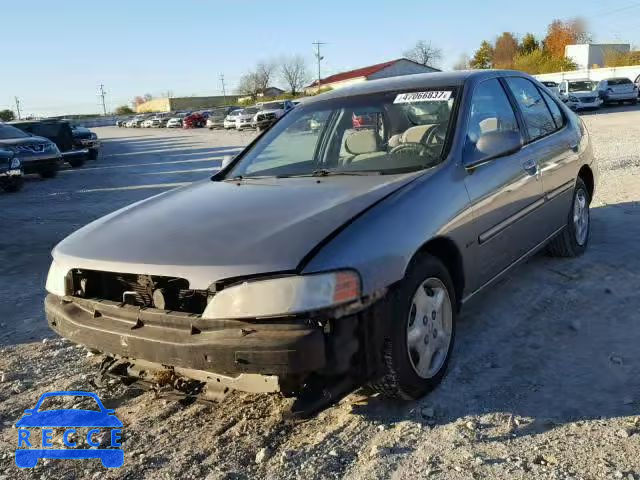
(17, 106)
(102, 94)
(319, 58)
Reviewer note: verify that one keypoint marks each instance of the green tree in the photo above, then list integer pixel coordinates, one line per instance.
(7, 115)
(483, 57)
(540, 61)
(529, 44)
(124, 110)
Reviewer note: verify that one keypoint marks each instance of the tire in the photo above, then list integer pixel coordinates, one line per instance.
(49, 173)
(400, 379)
(573, 241)
(76, 163)
(13, 185)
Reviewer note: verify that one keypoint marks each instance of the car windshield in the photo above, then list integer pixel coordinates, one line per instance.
(7, 132)
(75, 402)
(384, 133)
(273, 106)
(583, 86)
(250, 110)
(619, 81)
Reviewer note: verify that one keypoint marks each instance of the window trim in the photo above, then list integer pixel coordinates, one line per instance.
(528, 136)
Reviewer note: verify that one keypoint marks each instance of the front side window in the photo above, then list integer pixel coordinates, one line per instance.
(490, 112)
(537, 116)
(582, 86)
(383, 133)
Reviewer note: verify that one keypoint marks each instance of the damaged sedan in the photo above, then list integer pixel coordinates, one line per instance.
(337, 249)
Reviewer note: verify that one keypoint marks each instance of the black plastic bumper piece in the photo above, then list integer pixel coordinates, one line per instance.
(185, 340)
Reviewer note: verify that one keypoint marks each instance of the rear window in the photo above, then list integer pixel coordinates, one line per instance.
(619, 81)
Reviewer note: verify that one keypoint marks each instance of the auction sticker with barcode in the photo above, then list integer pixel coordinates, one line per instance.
(430, 96)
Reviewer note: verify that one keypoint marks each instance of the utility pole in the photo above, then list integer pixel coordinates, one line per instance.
(319, 58)
(17, 106)
(102, 94)
(224, 92)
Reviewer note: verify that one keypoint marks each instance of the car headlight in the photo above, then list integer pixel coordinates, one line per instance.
(15, 163)
(285, 295)
(56, 282)
(94, 136)
(573, 99)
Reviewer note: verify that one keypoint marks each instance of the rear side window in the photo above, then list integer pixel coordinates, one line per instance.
(558, 118)
(537, 116)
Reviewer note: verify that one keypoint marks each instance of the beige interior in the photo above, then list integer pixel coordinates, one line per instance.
(488, 125)
(361, 141)
(415, 134)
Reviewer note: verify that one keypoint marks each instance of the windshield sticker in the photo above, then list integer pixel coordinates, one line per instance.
(431, 96)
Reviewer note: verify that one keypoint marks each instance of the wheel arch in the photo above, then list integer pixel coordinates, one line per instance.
(586, 174)
(446, 250)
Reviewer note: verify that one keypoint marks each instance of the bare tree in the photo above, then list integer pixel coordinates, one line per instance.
(294, 72)
(264, 73)
(424, 53)
(249, 85)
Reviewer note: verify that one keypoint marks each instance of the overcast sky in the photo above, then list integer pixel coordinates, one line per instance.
(57, 53)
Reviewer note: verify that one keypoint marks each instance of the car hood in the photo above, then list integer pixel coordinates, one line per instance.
(69, 418)
(211, 230)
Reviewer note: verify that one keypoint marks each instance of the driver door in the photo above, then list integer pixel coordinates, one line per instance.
(505, 191)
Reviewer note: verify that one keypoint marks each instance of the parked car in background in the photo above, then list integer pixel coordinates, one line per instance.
(244, 119)
(217, 117)
(59, 132)
(552, 86)
(637, 83)
(175, 122)
(10, 171)
(36, 154)
(579, 94)
(230, 119)
(163, 121)
(194, 120)
(85, 138)
(121, 123)
(136, 122)
(370, 242)
(618, 90)
(147, 123)
(270, 113)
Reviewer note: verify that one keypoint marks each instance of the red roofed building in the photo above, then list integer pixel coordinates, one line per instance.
(393, 68)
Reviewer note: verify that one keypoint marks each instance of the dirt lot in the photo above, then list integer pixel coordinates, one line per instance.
(544, 383)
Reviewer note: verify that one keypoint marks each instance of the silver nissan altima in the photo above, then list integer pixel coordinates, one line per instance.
(337, 249)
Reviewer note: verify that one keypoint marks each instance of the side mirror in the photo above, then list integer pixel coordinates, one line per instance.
(492, 145)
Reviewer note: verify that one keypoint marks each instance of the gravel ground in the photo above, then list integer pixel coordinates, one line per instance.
(544, 382)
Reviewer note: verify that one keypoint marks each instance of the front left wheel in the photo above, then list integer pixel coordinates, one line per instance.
(421, 331)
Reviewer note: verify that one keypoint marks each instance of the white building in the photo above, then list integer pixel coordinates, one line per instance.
(592, 55)
(393, 68)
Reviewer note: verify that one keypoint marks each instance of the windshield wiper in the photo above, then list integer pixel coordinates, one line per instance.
(324, 172)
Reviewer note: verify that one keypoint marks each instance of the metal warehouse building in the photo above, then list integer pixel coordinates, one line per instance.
(184, 103)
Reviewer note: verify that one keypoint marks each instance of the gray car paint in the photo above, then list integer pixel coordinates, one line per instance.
(211, 231)
(375, 224)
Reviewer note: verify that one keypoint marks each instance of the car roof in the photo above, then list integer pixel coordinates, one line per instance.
(410, 82)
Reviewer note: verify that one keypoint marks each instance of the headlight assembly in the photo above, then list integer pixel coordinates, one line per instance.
(15, 163)
(56, 282)
(285, 295)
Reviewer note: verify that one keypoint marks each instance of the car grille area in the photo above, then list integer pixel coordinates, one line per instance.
(164, 293)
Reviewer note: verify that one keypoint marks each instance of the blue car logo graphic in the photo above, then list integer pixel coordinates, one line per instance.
(69, 419)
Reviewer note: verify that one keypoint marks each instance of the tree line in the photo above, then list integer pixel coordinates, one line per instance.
(529, 54)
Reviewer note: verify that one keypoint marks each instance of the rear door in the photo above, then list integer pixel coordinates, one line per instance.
(505, 192)
(554, 144)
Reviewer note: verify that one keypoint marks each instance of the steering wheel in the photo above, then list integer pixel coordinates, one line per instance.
(435, 135)
(417, 149)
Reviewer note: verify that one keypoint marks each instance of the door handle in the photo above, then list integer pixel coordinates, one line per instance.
(530, 166)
